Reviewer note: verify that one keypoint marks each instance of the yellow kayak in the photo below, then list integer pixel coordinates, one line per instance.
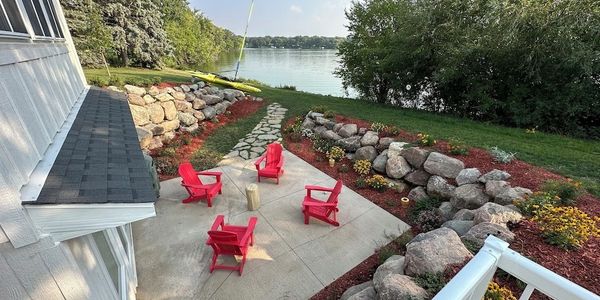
(215, 79)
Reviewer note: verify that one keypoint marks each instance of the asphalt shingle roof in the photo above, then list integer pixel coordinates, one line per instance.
(100, 160)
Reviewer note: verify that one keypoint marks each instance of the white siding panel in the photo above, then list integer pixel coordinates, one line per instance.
(10, 287)
(60, 98)
(66, 272)
(39, 96)
(34, 276)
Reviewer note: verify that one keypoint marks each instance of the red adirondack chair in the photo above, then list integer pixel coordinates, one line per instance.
(273, 158)
(191, 181)
(322, 210)
(230, 240)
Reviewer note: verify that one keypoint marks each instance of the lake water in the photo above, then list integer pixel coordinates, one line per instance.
(307, 70)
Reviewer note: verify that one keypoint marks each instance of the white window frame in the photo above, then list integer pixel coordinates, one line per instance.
(40, 16)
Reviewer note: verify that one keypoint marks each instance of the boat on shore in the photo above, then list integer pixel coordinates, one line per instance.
(214, 78)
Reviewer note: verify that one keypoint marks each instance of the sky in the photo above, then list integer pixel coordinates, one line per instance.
(278, 17)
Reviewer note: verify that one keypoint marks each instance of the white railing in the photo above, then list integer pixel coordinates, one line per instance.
(472, 281)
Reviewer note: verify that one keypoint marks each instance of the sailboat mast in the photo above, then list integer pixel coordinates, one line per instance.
(237, 68)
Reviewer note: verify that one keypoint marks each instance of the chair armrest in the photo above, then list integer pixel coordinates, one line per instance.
(219, 222)
(259, 160)
(310, 188)
(207, 173)
(319, 204)
(250, 230)
(201, 187)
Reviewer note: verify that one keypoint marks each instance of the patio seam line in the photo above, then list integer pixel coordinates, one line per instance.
(216, 290)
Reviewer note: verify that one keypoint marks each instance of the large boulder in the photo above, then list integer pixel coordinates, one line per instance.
(466, 176)
(360, 291)
(393, 265)
(434, 251)
(321, 120)
(140, 115)
(396, 167)
(211, 99)
(198, 104)
(136, 99)
(308, 123)
(144, 136)
(478, 233)
(443, 165)
(418, 177)
(399, 287)
(209, 112)
(337, 127)
(348, 130)
(220, 107)
(380, 162)
(162, 97)
(366, 153)
(495, 213)
(459, 226)
(153, 90)
(415, 156)
(330, 135)
(418, 194)
(395, 148)
(156, 112)
(170, 125)
(507, 196)
(446, 210)
(199, 115)
(494, 175)
(148, 99)
(369, 139)
(186, 119)
(183, 105)
(385, 142)
(170, 110)
(132, 89)
(438, 187)
(494, 187)
(178, 95)
(350, 144)
(464, 215)
(469, 196)
(319, 130)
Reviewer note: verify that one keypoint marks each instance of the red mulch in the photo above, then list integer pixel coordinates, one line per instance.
(236, 111)
(581, 266)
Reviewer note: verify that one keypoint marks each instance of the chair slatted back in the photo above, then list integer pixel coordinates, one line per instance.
(274, 151)
(188, 174)
(333, 197)
(226, 241)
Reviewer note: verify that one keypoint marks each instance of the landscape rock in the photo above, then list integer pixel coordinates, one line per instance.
(367, 153)
(186, 119)
(190, 128)
(199, 115)
(478, 233)
(156, 112)
(168, 136)
(220, 108)
(380, 162)
(459, 226)
(321, 120)
(162, 97)
(399, 287)
(329, 125)
(396, 167)
(446, 210)
(331, 135)
(209, 112)
(362, 131)
(319, 130)
(314, 114)
(469, 196)
(495, 213)
(155, 143)
(350, 144)
(507, 196)
(369, 139)
(337, 127)
(198, 104)
(140, 115)
(415, 156)
(439, 187)
(418, 177)
(170, 110)
(395, 148)
(466, 176)
(170, 125)
(494, 187)
(153, 91)
(178, 95)
(148, 99)
(366, 294)
(132, 89)
(393, 265)
(136, 99)
(356, 289)
(183, 105)
(434, 251)
(211, 99)
(464, 215)
(348, 130)
(418, 194)
(443, 165)
(494, 175)
(144, 136)
(308, 123)
(385, 142)
(185, 88)
(397, 185)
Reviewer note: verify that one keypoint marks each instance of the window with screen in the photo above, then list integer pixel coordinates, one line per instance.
(53, 19)
(10, 17)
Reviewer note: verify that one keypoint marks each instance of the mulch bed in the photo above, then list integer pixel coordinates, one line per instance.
(581, 266)
(236, 111)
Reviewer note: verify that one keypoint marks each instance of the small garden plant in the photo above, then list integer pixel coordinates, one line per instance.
(329, 114)
(458, 146)
(377, 182)
(322, 145)
(531, 203)
(362, 167)
(425, 139)
(336, 153)
(344, 168)
(391, 130)
(378, 127)
(502, 156)
(497, 292)
(319, 108)
(567, 191)
(567, 227)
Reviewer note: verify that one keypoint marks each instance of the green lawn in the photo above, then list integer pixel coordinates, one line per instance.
(576, 158)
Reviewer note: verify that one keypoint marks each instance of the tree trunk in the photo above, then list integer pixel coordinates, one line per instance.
(124, 58)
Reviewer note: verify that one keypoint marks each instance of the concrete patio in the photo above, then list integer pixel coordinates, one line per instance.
(289, 260)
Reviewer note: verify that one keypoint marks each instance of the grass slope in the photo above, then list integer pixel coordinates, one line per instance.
(224, 138)
(568, 156)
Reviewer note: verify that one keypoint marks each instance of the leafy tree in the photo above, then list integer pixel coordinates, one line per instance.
(296, 42)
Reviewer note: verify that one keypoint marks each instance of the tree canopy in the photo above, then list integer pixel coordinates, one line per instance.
(296, 42)
(532, 64)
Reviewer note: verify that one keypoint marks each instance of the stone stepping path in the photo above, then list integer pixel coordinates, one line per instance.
(267, 131)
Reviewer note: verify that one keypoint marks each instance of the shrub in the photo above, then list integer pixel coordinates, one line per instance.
(336, 153)
(501, 155)
(204, 159)
(360, 182)
(425, 139)
(362, 167)
(377, 182)
(431, 282)
(567, 191)
(458, 146)
(167, 152)
(531, 203)
(496, 292)
(423, 205)
(378, 127)
(329, 114)
(429, 220)
(322, 145)
(392, 130)
(166, 165)
(344, 168)
(567, 226)
(318, 108)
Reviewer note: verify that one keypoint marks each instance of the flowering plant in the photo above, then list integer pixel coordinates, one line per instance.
(378, 127)
(336, 153)
(497, 292)
(377, 182)
(567, 227)
(362, 167)
(426, 139)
